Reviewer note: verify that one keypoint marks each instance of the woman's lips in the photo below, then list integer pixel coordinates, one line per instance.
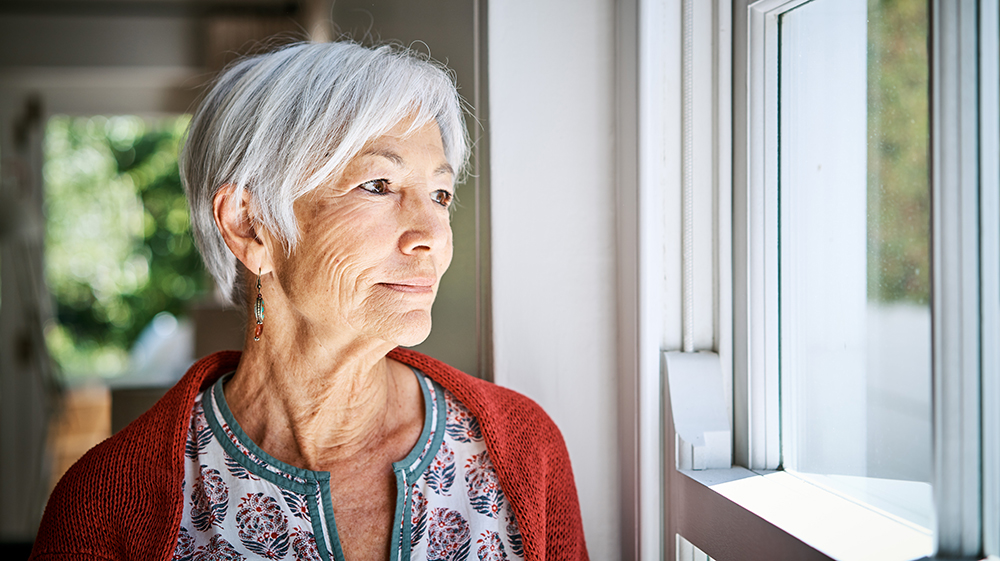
(414, 286)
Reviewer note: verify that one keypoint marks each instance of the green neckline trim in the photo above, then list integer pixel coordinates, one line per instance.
(435, 415)
(315, 517)
(338, 551)
(251, 446)
(320, 479)
(401, 522)
(441, 414)
(405, 477)
(431, 423)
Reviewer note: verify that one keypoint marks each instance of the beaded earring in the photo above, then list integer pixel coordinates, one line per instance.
(258, 311)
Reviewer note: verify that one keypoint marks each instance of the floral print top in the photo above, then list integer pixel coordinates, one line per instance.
(241, 503)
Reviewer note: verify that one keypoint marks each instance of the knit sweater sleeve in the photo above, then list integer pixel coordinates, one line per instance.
(102, 511)
(533, 464)
(123, 499)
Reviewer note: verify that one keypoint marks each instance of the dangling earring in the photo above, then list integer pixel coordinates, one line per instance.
(258, 311)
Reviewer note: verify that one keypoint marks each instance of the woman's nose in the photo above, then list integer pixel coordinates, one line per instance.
(426, 225)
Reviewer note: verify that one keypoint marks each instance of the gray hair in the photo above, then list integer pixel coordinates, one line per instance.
(282, 123)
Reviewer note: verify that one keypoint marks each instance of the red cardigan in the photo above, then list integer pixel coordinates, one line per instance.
(123, 499)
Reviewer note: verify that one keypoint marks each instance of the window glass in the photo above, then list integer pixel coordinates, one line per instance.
(854, 231)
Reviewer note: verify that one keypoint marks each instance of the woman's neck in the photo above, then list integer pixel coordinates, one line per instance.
(312, 404)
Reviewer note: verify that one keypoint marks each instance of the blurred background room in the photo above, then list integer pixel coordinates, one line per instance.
(105, 302)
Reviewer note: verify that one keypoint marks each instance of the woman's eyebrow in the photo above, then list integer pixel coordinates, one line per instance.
(398, 160)
(385, 153)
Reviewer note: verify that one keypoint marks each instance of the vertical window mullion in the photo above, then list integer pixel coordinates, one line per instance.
(763, 438)
(989, 154)
(955, 286)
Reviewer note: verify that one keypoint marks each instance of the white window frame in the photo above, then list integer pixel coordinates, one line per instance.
(989, 151)
(964, 186)
(651, 170)
(966, 342)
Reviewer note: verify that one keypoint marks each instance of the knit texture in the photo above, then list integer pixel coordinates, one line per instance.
(123, 499)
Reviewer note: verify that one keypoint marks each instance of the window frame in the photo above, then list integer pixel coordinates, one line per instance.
(989, 150)
(649, 137)
(963, 271)
(965, 184)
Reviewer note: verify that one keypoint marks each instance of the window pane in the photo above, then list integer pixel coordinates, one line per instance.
(854, 250)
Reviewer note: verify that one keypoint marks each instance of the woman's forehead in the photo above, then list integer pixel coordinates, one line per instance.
(403, 142)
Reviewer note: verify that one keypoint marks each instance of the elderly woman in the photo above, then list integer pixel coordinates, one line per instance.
(321, 178)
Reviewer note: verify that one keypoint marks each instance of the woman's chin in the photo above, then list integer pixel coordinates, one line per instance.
(412, 340)
(411, 330)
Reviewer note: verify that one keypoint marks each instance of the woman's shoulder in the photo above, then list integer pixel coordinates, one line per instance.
(113, 487)
(528, 454)
(129, 482)
(493, 405)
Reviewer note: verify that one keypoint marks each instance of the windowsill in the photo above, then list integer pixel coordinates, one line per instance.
(910, 502)
(833, 525)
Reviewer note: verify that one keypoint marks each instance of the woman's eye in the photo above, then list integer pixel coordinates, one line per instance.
(443, 197)
(376, 186)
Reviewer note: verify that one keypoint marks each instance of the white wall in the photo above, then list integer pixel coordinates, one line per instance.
(552, 108)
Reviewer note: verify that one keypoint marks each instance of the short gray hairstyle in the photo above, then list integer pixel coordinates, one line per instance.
(280, 124)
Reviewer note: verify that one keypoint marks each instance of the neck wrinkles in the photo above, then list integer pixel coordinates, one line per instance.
(312, 415)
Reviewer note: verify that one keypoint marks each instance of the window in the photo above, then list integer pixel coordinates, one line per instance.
(854, 252)
(813, 196)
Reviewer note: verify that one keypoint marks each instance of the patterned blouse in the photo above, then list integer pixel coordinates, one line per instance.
(241, 503)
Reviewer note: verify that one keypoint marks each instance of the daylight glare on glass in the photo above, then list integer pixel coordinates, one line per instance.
(855, 245)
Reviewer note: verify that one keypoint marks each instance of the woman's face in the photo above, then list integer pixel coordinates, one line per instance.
(374, 242)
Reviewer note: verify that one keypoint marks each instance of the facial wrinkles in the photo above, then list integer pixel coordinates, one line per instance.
(345, 245)
(352, 241)
(338, 254)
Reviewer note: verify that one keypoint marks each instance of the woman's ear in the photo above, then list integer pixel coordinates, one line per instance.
(231, 207)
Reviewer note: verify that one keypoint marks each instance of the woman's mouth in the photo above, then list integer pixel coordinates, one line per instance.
(412, 286)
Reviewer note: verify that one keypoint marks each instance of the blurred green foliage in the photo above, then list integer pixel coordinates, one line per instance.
(899, 218)
(118, 243)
